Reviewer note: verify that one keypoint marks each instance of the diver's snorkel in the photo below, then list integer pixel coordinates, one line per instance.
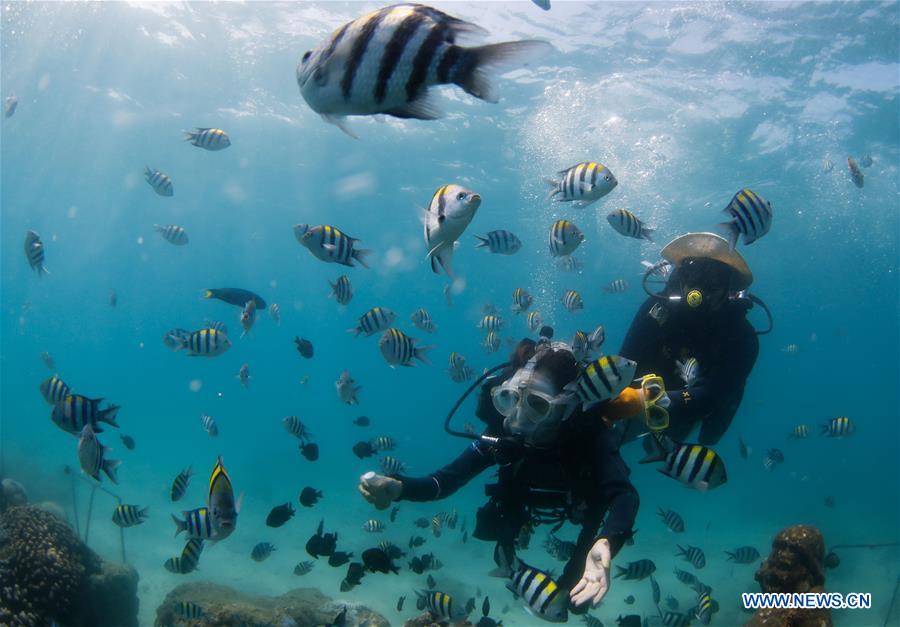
(694, 297)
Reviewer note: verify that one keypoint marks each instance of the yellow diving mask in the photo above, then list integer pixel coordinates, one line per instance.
(656, 402)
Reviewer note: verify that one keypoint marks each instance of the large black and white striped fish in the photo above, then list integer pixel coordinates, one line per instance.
(583, 183)
(565, 237)
(129, 515)
(373, 321)
(440, 604)
(398, 349)
(391, 465)
(180, 484)
(542, 596)
(751, 217)
(694, 465)
(629, 225)
(172, 233)
(692, 554)
(672, 519)
(75, 412)
(641, 569)
(54, 390)
(602, 379)
(499, 242)
(208, 138)
(451, 209)
(161, 183)
(386, 61)
(196, 523)
(341, 290)
(188, 560)
(34, 252)
(204, 343)
(330, 244)
(92, 456)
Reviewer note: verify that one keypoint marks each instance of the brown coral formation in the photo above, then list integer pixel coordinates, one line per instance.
(796, 564)
(47, 574)
(224, 606)
(427, 620)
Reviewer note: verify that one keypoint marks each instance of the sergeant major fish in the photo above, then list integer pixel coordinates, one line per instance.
(584, 184)
(521, 300)
(208, 138)
(398, 349)
(196, 523)
(534, 321)
(616, 287)
(204, 343)
(341, 290)
(172, 233)
(499, 242)
(161, 183)
(572, 301)
(34, 252)
(374, 321)
(331, 245)
(209, 425)
(75, 412)
(451, 209)
(602, 379)
(688, 370)
(694, 465)
(751, 217)
(386, 61)
(542, 596)
(628, 224)
(248, 317)
(422, 320)
(129, 515)
(54, 390)
(565, 237)
(180, 484)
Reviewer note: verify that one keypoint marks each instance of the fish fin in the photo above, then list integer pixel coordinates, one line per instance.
(422, 108)
(180, 525)
(360, 255)
(108, 415)
(442, 257)
(731, 230)
(340, 122)
(646, 233)
(482, 242)
(555, 188)
(476, 61)
(109, 467)
(419, 353)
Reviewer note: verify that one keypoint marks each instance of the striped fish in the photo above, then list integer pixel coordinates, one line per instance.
(422, 320)
(75, 412)
(743, 555)
(386, 61)
(460, 375)
(491, 342)
(196, 523)
(275, 312)
(751, 217)
(189, 609)
(209, 425)
(640, 569)
(331, 245)
(440, 605)
(491, 323)
(499, 242)
(704, 609)
(856, 174)
(208, 138)
(694, 465)
(629, 225)
(437, 524)
(34, 252)
(205, 343)
(685, 577)
(451, 209)
(180, 484)
(692, 554)
(672, 519)
(675, 619)
(398, 349)
(579, 345)
(129, 515)
(295, 427)
(383, 443)
(304, 568)
(54, 390)
(373, 526)
(374, 321)
(542, 596)
(583, 183)
(92, 456)
(565, 237)
(688, 370)
(596, 338)
(602, 379)
(172, 233)
(341, 290)
(161, 183)
(616, 287)
(838, 427)
(456, 361)
(188, 560)
(521, 300)
(800, 432)
(572, 301)
(391, 465)
(175, 338)
(534, 321)
(262, 551)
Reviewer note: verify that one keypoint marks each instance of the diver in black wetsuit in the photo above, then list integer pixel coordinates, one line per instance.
(556, 463)
(700, 314)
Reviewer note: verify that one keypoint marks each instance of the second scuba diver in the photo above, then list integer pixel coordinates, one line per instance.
(556, 462)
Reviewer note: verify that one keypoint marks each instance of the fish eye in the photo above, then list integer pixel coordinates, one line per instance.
(306, 56)
(461, 196)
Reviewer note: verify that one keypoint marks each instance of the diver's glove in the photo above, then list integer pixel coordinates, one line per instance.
(594, 583)
(379, 490)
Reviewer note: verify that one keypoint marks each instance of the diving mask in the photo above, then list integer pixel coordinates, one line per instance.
(656, 402)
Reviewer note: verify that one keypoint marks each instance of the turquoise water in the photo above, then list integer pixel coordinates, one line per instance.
(685, 103)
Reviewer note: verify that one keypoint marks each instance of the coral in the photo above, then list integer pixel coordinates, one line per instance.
(427, 620)
(224, 606)
(113, 595)
(796, 564)
(12, 494)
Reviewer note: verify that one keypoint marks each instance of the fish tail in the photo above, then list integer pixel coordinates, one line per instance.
(471, 70)
(360, 255)
(109, 467)
(730, 555)
(482, 242)
(144, 513)
(208, 293)
(180, 525)
(620, 572)
(419, 353)
(555, 188)
(189, 135)
(108, 415)
(646, 233)
(731, 231)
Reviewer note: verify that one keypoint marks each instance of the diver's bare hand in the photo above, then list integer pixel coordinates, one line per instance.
(379, 490)
(594, 583)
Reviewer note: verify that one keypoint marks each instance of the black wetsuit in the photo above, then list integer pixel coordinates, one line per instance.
(583, 476)
(725, 345)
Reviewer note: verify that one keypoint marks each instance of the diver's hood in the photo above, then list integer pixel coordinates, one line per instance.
(709, 246)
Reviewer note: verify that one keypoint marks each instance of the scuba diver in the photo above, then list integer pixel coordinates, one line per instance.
(694, 332)
(557, 463)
